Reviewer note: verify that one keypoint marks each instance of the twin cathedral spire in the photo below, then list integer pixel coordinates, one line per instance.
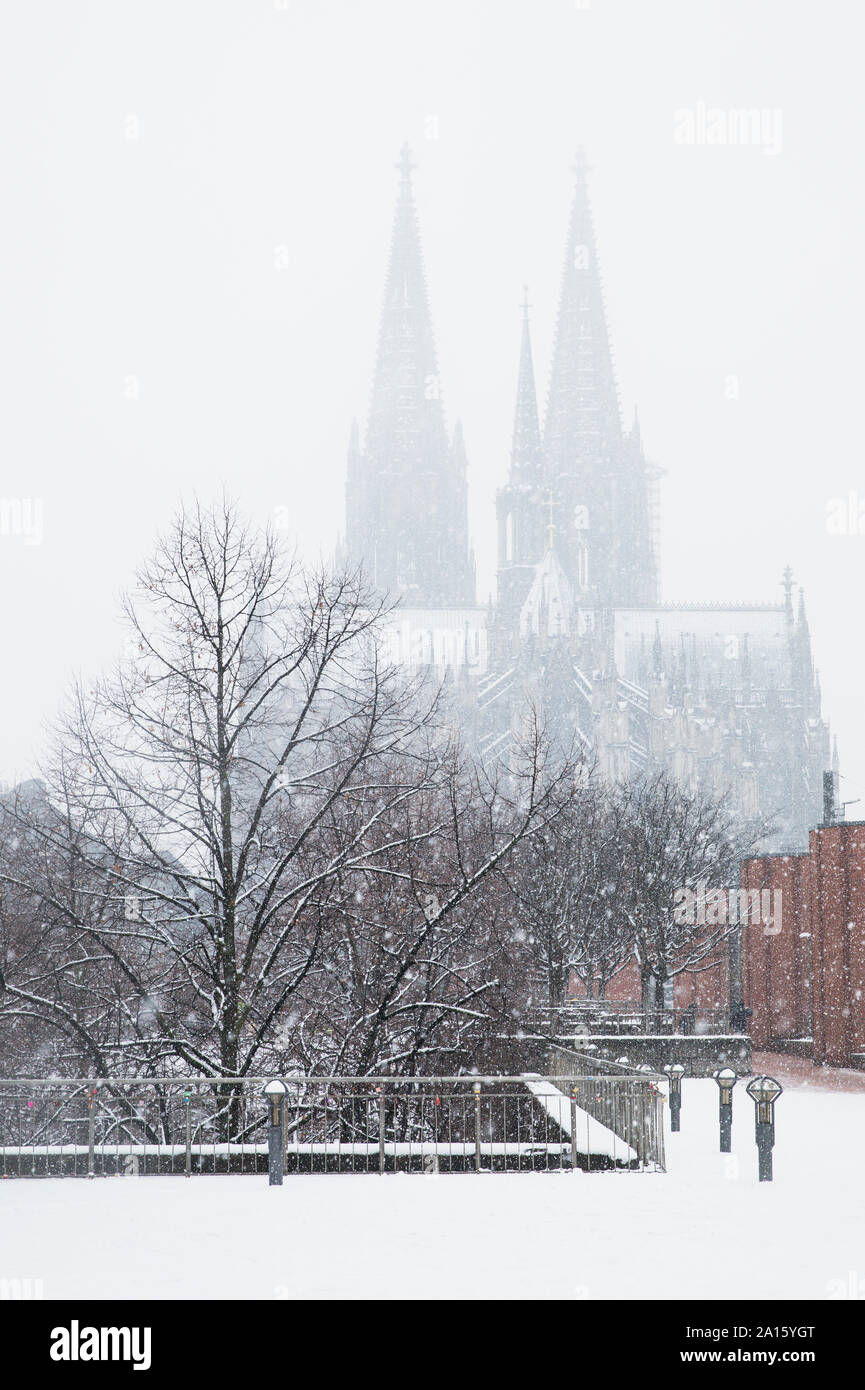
(580, 485)
(406, 500)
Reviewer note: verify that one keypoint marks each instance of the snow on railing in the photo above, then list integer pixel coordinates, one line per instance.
(107, 1126)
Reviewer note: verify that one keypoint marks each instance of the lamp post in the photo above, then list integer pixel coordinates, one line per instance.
(91, 1129)
(726, 1079)
(764, 1091)
(275, 1093)
(187, 1100)
(675, 1074)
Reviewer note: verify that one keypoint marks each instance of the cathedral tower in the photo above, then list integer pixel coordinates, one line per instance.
(598, 476)
(522, 505)
(406, 498)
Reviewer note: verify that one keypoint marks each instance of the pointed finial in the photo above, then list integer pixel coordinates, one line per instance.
(551, 527)
(657, 650)
(580, 166)
(524, 304)
(404, 163)
(787, 581)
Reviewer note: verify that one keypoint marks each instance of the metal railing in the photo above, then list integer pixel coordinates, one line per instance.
(584, 1017)
(373, 1124)
(633, 1112)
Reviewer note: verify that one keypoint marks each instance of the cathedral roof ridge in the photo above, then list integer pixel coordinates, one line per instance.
(717, 605)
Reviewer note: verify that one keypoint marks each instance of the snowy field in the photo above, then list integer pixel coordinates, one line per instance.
(706, 1229)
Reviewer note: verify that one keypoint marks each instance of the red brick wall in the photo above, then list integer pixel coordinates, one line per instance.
(814, 969)
(808, 979)
(707, 987)
(776, 964)
(838, 925)
(623, 987)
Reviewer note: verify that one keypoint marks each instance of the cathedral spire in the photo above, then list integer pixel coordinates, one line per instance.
(804, 682)
(787, 582)
(407, 517)
(582, 420)
(406, 417)
(526, 462)
(657, 653)
(521, 505)
(600, 475)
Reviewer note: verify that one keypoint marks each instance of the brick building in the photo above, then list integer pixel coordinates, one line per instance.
(804, 978)
(806, 984)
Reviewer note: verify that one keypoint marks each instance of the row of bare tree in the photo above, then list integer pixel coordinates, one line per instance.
(258, 847)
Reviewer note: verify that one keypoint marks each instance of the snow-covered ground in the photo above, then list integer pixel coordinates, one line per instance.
(705, 1229)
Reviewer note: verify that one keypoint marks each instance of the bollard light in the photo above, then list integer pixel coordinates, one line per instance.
(726, 1079)
(674, 1074)
(764, 1091)
(187, 1099)
(476, 1088)
(275, 1092)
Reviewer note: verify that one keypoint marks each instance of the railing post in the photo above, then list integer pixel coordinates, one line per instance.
(380, 1130)
(91, 1130)
(275, 1093)
(477, 1093)
(187, 1097)
(573, 1131)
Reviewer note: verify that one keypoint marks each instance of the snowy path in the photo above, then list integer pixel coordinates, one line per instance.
(706, 1229)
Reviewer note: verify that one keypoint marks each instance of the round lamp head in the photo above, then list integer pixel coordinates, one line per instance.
(764, 1088)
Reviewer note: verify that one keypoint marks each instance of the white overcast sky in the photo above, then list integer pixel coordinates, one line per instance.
(266, 136)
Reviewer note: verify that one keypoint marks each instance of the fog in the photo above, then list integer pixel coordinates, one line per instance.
(197, 210)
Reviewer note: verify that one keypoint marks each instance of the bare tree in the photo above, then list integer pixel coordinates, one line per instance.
(255, 829)
(564, 888)
(60, 992)
(414, 973)
(676, 840)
